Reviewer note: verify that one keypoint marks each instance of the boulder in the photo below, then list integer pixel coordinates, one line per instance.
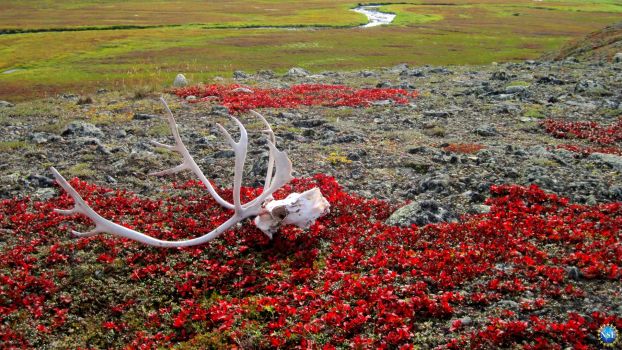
(82, 129)
(421, 213)
(180, 81)
(296, 72)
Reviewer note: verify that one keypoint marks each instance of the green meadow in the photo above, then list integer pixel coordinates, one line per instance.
(81, 46)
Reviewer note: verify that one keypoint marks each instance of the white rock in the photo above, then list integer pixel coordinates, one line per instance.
(180, 81)
(617, 58)
(191, 98)
(243, 90)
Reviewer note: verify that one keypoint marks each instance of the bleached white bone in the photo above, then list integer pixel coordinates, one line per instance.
(300, 209)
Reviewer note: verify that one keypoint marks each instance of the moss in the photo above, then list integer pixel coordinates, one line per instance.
(534, 111)
(81, 170)
(7, 146)
(159, 130)
(336, 158)
(435, 131)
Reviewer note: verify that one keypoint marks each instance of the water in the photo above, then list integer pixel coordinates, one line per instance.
(375, 17)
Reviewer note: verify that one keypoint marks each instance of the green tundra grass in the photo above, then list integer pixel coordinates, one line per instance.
(124, 44)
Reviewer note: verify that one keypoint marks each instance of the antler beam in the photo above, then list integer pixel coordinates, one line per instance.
(301, 209)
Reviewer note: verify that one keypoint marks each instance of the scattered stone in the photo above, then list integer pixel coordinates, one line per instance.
(412, 73)
(220, 110)
(366, 73)
(308, 123)
(486, 131)
(573, 273)
(224, 154)
(243, 90)
(238, 74)
(500, 75)
(41, 181)
(144, 116)
(82, 129)
(515, 89)
(43, 137)
(611, 160)
(296, 72)
(617, 58)
(180, 81)
(5, 104)
(421, 213)
(437, 114)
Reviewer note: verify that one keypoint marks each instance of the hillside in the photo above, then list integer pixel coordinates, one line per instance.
(600, 45)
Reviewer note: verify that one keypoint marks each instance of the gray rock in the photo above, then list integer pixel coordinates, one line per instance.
(308, 123)
(180, 81)
(515, 89)
(296, 72)
(224, 154)
(508, 108)
(499, 75)
(466, 320)
(440, 70)
(120, 133)
(611, 160)
(573, 273)
(144, 116)
(486, 131)
(238, 74)
(399, 68)
(82, 129)
(617, 58)
(220, 110)
(43, 137)
(41, 181)
(191, 98)
(421, 213)
(366, 73)
(437, 114)
(480, 209)
(588, 86)
(507, 304)
(438, 183)
(412, 73)
(6, 104)
(266, 74)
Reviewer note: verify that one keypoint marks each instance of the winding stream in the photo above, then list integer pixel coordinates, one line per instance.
(375, 17)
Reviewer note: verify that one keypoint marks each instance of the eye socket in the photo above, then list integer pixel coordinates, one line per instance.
(280, 212)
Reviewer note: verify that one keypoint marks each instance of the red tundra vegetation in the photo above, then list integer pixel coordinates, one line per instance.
(350, 280)
(464, 148)
(240, 99)
(605, 138)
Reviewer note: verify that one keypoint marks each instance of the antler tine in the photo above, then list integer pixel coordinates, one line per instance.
(282, 176)
(271, 138)
(240, 148)
(188, 162)
(80, 206)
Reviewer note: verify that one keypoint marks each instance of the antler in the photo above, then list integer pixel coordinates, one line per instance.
(300, 209)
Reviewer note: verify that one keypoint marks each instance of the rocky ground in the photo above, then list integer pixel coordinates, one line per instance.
(393, 152)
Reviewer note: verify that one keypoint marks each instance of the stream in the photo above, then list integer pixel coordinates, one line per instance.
(375, 17)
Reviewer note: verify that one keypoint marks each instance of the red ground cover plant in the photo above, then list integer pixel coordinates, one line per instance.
(464, 148)
(238, 98)
(349, 280)
(606, 138)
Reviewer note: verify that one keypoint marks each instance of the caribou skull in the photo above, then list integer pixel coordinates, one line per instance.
(300, 209)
